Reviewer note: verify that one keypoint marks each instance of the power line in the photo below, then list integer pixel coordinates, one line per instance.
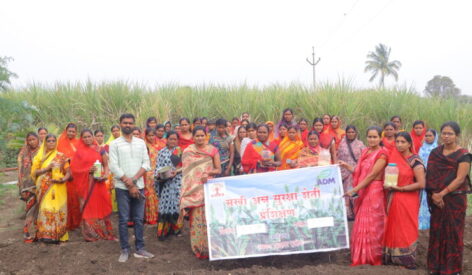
(340, 24)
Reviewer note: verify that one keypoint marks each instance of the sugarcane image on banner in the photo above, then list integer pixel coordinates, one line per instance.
(276, 213)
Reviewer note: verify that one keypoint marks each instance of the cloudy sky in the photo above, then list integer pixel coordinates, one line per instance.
(231, 42)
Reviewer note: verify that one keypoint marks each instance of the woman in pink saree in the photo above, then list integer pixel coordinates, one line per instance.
(369, 207)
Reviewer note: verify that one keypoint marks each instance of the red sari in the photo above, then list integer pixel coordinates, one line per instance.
(389, 145)
(68, 147)
(326, 139)
(401, 233)
(369, 209)
(417, 140)
(304, 137)
(94, 196)
(253, 154)
(184, 143)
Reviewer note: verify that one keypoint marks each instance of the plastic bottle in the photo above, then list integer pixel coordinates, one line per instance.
(98, 169)
(56, 172)
(391, 175)
(324, 158)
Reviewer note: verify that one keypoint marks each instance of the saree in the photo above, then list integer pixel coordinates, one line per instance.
(27, 190)
(349, 152)
(417, 140)
(446, 234)
(326, 139)
(51, 221)
(195, 162)
(304, 137)
(369, 209)
(94, 196)
(169, 194)
(338, 135)
(68, 147)
(308, 156)
(253, 154)
(223, 145)
(289, 150)
(401, 231)
(184, 143)
(389, 145)
(424, 215)
(152, 201)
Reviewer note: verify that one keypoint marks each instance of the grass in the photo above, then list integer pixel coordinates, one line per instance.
(98, 105)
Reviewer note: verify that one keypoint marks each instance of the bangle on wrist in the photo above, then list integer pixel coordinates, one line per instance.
(448, 190)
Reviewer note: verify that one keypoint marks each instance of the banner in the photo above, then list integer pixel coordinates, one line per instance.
(277, 213)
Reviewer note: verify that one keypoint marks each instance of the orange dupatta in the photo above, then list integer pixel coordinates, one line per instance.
(67, 146)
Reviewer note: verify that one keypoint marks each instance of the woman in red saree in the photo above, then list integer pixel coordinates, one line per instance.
(327, 139)
(67, 144)
(326, 121)
(290, 148)
(261, 155)
(185, 134)
(152, 202)
(26, 185)
(200, 161)
(303, 127)
(309, 155)
(94, 196)
(417, 134)
(447, 183)
(388, 140)
(336, 130)
(369, 208)
(403, 205)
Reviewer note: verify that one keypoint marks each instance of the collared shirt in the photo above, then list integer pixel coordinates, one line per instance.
(126, 158)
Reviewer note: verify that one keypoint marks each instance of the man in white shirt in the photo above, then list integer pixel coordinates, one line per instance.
(129, 160)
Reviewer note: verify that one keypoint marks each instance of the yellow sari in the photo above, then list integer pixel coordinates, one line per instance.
(52, 198)
(289, 150)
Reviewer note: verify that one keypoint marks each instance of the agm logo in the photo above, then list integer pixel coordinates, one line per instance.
(325, 177)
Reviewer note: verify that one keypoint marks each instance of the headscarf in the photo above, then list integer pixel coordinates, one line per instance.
(426, 149)
(417, 140)
(271, 134)
(42, 159)
(67, 146)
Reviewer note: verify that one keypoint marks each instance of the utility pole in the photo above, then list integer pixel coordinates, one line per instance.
(313, 63)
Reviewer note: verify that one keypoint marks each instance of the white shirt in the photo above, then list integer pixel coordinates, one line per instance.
(126, 158)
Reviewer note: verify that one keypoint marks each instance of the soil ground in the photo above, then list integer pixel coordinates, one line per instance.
(173, 256)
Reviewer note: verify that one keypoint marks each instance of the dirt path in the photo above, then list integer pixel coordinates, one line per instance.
(173, 256)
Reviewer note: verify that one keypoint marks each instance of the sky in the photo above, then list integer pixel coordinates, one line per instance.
(233, 42)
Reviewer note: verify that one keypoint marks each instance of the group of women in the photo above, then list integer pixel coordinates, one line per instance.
(57, 183)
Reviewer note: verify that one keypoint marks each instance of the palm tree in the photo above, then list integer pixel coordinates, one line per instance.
(378, 63)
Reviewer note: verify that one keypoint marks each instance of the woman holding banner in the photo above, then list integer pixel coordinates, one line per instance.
(200, 161)
(261, 155)
(369, 207)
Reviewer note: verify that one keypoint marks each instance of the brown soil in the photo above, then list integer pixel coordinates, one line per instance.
(173, 256)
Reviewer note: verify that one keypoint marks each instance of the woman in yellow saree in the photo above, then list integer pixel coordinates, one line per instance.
(200, 161)
(290, 148)
(50, 170)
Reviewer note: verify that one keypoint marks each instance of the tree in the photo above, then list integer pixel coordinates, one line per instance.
(5, 74)
(378, 63)
(441, 86)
